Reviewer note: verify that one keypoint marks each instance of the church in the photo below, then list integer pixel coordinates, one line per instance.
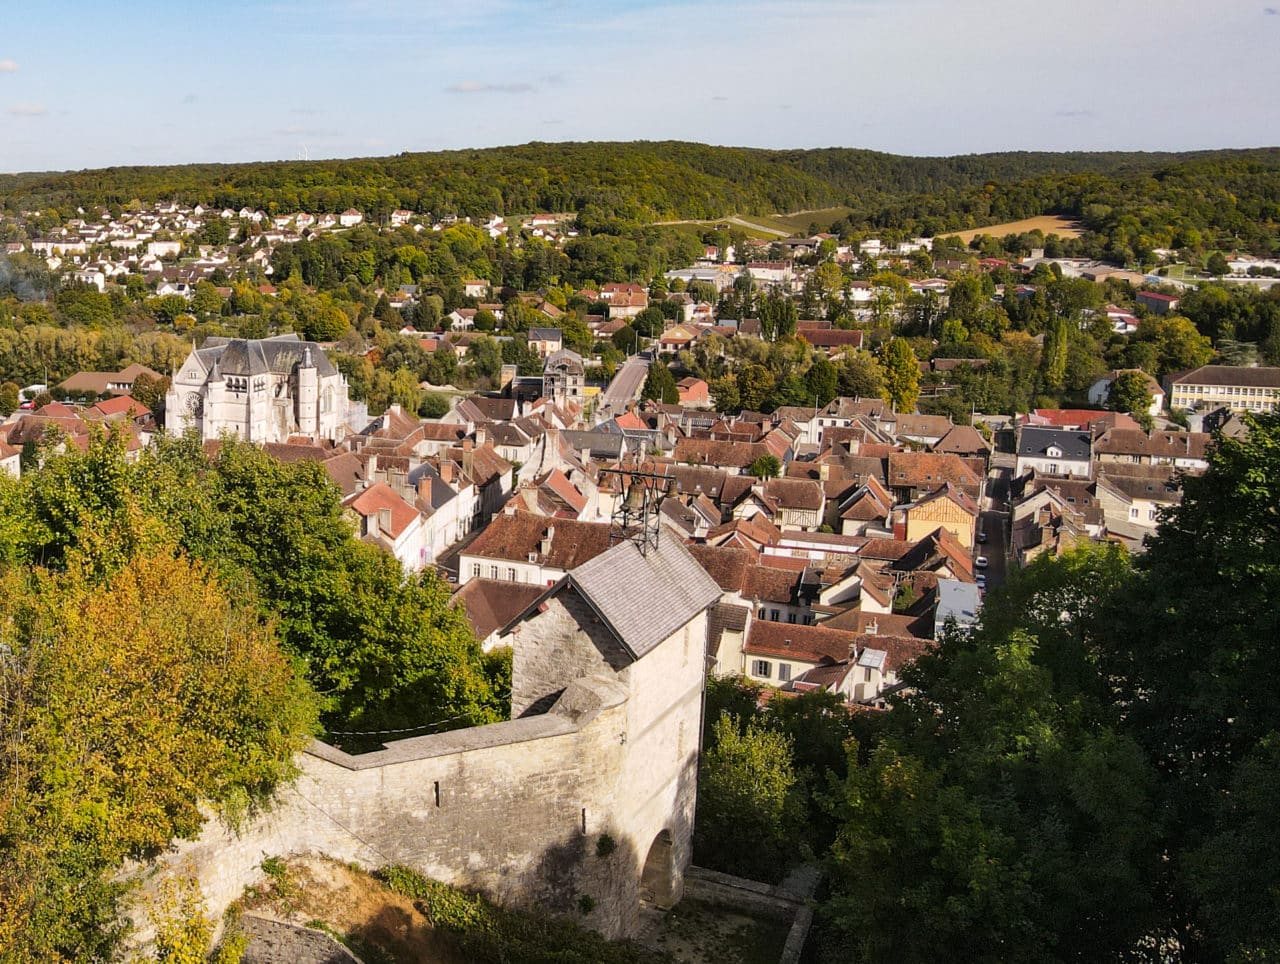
(261, 390)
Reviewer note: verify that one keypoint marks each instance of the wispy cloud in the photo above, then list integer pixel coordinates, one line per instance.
(8, 67)
(1271, 11)
(191, 98)
(1075, 112)
(481, 87)
(28, 110)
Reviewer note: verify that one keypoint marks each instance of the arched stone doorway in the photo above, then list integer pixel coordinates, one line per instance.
(657, 878)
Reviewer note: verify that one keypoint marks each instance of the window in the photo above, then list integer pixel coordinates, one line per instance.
(866, 678)
(1133, 513)
(475, 570)
(511, 574)
(784, 672)
(493, 572)
(774, 615)
(760, 667)
(791, 617)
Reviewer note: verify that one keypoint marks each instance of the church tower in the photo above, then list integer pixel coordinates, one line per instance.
(308, 395)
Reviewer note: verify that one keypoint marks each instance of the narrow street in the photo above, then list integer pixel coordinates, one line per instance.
(625, 387)
(993, 522)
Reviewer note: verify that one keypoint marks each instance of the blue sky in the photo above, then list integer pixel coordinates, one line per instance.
(88, 84)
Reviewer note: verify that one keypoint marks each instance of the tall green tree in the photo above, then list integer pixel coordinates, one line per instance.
(660, 384)
(822, 380)
(1129, 392)
(1053, 361)
(901, 375)
(745, 793)
(1195, 653)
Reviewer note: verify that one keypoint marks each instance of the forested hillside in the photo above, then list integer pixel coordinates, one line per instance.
(647, 181)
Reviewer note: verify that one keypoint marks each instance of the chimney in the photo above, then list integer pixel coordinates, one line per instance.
(371, 466)
(468, 444)
(446, 471)
(547, 539)
(482, 435)
(424, 488)
(873, 627)
(824, 471)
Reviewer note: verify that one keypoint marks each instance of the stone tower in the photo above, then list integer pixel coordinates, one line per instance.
(308, 394)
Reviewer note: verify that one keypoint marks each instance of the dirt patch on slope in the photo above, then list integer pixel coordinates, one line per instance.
(376, 923)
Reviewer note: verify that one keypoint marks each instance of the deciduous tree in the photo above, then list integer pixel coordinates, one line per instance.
(901, 376)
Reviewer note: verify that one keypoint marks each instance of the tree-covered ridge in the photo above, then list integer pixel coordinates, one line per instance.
(636, 181)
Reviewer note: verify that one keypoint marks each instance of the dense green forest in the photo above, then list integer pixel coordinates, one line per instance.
(646, 181)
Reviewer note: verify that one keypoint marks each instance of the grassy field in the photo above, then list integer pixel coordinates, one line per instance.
(771, 226)
(1049, 224)
(798, 223)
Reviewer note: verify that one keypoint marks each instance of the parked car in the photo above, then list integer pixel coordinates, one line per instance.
(982, 537)
(981, 580)
(980, 562)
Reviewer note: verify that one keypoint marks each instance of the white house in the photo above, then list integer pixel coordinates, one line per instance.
(350, 218)
(1054, 451)
(164, 249)
(384, 518)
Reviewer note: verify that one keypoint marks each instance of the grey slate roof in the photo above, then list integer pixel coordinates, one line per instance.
(601, 444)
(959, 600)
(645, 598)
(1075, 446)
(281, 354)
(1230, 375)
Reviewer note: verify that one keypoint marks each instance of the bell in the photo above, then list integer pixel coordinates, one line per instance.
(635, 496)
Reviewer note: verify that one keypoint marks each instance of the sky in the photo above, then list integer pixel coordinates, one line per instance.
(87, 84)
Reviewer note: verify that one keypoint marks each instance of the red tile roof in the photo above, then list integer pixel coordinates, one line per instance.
(810, 644)
(516, 535)
(381, 496)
